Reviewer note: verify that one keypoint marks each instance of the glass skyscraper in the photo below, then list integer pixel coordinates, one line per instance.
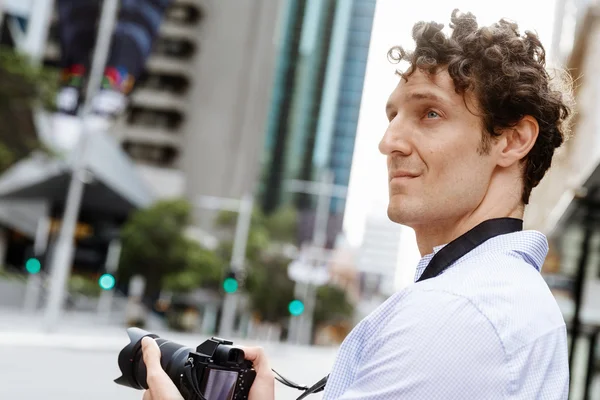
(323, 48)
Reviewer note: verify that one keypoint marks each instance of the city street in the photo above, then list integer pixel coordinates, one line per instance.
(78, 363)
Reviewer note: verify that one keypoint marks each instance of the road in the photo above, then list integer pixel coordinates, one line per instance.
(76, 364)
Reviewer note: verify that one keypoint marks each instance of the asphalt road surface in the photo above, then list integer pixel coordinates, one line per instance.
(74, 368)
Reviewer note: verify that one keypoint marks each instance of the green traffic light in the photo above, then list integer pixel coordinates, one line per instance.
(230, 285)
(106, 282)
(33, 265)
(296, 307)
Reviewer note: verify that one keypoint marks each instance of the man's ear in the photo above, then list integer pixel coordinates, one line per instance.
(517, 141)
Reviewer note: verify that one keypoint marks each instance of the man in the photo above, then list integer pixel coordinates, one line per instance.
(473, 125)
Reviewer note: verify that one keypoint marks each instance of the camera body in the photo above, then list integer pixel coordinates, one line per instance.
(217, 371)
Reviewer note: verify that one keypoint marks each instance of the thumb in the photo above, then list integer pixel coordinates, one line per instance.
(155, 376)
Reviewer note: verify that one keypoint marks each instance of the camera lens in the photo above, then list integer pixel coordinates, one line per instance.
(131, 362)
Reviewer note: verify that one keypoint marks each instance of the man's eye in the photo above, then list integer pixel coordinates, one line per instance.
(432, 114)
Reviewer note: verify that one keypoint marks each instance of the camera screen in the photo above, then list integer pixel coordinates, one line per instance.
(220, 384)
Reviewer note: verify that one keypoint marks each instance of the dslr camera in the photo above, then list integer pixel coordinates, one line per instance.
(215, 370)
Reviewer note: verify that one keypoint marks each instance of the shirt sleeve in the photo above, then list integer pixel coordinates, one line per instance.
(436, 345)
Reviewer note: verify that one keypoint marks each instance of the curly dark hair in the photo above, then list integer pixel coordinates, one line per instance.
(507, 74)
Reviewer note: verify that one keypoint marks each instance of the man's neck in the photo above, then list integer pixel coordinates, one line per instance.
(442, 232)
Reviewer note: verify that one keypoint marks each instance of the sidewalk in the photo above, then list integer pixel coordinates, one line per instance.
(87, 332)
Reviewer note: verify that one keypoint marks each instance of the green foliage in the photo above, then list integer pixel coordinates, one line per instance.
(283, 224)
(269, 289)
(203, 268)
(155, 246)
(332, 305)
(267, 284)
(24, 82)
(23, 86)
(85, 285)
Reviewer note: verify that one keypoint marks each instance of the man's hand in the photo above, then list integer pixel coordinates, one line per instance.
(160, 386)
(263, 387)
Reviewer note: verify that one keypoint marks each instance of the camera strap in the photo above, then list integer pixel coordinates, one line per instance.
(448, 255)
(467, 242)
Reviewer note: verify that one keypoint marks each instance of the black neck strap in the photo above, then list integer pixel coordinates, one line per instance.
(462, 245)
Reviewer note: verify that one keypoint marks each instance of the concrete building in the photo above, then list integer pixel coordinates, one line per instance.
(377, 261)
(195, 124)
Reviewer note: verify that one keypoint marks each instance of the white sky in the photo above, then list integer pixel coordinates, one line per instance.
(393, 24)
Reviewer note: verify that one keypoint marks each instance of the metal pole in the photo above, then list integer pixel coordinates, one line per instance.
(591, 364)
(37, 29)
(112, 263)
(34, 281)
(319, 241)
(62, 257)
(580, 280)
(238, 256)
(322, 212)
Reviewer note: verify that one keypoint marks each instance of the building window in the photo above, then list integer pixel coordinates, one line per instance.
(184, 14)
(161, 156)
(176, 84)
(174, 47)
(144, 116)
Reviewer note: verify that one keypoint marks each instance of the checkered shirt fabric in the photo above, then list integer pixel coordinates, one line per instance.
(486, 328)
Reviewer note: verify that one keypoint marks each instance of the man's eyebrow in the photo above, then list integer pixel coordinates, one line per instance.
(416, 96)
(425, 95)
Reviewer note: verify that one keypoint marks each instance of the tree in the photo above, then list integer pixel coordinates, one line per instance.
(23, 86)
(332, 305)
(203, 268)
(269, 288)
(155, 246)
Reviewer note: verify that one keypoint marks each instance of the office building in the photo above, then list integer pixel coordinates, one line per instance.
(378, 256)
(195, 123)
(322, 56)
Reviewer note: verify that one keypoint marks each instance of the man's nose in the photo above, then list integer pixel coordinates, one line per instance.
(395, 139)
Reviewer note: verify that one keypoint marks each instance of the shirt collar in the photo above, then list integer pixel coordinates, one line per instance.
(532, 246)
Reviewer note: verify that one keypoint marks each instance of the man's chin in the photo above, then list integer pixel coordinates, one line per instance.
(405, 212)
(398, 216)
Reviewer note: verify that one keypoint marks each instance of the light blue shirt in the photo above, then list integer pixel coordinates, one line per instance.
(487, 328)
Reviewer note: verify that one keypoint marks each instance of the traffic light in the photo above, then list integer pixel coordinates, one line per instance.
(33, 265)
(33, 262)
(230, 283)
(296, 307)
(106, 281)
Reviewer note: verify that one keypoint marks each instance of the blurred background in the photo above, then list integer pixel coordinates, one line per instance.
(204, 167)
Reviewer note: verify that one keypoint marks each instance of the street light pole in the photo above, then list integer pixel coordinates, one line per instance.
(301, 327)
(111, 266)
(34, 281)
(63, 254)
(238, 255)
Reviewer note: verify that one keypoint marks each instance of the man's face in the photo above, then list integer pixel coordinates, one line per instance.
(437, 171)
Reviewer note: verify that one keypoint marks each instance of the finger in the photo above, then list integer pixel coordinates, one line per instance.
(156, 376)
(147, 395)
(258, 357)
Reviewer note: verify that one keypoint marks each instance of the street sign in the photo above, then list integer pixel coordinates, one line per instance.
(303, 272)
(311, 267)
